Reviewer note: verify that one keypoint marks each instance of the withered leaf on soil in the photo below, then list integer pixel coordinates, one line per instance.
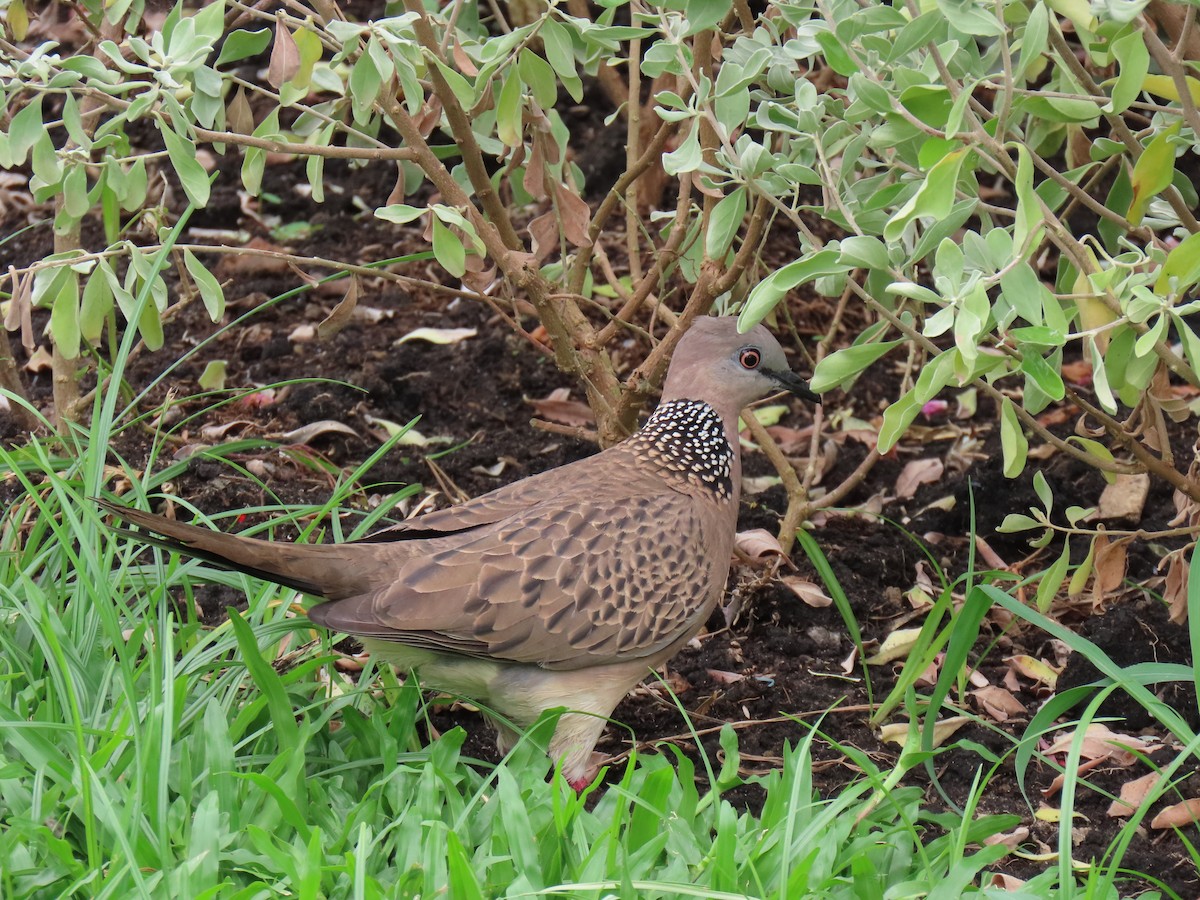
(341, 314)
(807, 591)
(758, 544)
(1101, 742)
(943, 730)
(306, 433)
(917, 473)
(556, 407)
(895, 646)
(1179, 815)
(438, 335)
(998, 702)
(1133, 794)
(1036, 670)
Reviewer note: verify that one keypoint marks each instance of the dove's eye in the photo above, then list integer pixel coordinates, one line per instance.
(749, 358)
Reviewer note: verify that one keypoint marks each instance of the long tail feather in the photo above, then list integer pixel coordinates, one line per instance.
(304, 567)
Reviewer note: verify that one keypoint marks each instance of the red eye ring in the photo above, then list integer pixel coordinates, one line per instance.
(750, 358)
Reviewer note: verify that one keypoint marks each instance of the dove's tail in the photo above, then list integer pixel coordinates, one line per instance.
(311, 568)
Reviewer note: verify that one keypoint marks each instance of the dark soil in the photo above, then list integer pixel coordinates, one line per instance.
(779, 667)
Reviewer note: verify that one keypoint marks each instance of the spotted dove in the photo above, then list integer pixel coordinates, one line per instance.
(561, 590)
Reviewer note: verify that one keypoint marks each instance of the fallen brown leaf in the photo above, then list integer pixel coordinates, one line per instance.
(807, 591)
(917, 473)
(557, 408)
(1179, 815)
(1133, 794)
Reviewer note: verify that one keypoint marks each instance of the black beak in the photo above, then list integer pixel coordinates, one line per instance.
(794, 383)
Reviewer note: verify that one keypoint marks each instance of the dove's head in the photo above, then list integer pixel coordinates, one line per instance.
(728, 370)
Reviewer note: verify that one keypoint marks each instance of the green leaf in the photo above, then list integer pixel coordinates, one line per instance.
(539, 75)
(1153, 171)
(896, 419)
(1033, 41)
(934, 198)
(1014, 522)
(508, 110)
(686, 157)
(835, 54)
(183, 158)
(97, 304)
(207, 284)
(75, 192)
(64, 316)
(400, 213)
(242, 44)
(449, 250)
(1039, 371)
(843, 365)
(1133, 65)
(724, 223)
(864, 251)
(1012, 440)
(24, 130)
(213, 376)
(560, 53)
(1053, 578)
(365, 83)
(704, 14)
(1029, 224)
(1097, 450)
(768, 292)
(1182, 268)
(461, 875)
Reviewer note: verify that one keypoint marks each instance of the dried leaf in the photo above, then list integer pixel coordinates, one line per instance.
(757, 544)
(285, 57)
(576, 217)
(534, 180)
(342, 313)
(1133, 795)
(238, 114)
(1007, 882)
(462, 61)
(1035, 670)
(438, 335)
(40, 361)
(1110, 560)
(557, 408)
(1179, 815)
(1100, 742)
(219, 432)
(305, 433)
(810, 593)
(943, 730)
(917, 473)
(1175, 588)
(895, 646)
(544, 231)
(1010, 839)
(998, 702)
(989, 556)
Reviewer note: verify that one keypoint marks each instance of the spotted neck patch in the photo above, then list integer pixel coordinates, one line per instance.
(686, 439)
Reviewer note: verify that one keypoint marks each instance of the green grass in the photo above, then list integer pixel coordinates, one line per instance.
(145, 754)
